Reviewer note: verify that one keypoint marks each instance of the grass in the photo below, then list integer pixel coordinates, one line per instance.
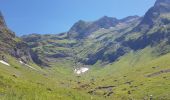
(18, 82)
(134, 67)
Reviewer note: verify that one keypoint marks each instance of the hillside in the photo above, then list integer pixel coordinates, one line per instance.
(106, 59)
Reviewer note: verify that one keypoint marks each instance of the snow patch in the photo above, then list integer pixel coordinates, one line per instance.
(30, 66)
(21, 62)
(81, 70)
(5, 63)
(27, 65)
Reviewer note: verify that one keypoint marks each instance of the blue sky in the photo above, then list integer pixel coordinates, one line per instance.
(56, 16)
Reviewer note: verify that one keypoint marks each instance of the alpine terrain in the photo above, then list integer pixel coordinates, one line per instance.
(105, 59)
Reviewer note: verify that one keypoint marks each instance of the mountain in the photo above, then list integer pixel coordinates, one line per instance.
(98, 35)
(110, 38)
(82, 29)
(106, 59)
(12, 45)
(160, 9)
(2, 21)
(152, 30)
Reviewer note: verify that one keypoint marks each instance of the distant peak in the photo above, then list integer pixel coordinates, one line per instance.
(2, 21)
(107, 18)
(81, 21)
(162, 1)
(135, 16)
(165, 3)
(162, 6)
(1, 14)
(130, 19)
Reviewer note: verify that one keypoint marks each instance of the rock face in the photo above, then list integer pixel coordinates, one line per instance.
(154, 13)
(153, 28)
(162, 3)
(10, 44)
(2, 21)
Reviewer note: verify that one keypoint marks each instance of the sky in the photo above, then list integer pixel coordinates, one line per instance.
(56, 16)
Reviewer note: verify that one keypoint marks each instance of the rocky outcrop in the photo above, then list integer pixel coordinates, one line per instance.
(12, 45)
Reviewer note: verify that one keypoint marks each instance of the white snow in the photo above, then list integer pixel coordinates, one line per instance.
(21, 62)
(30, 66)
(5, 63)
(27, 65)
(81, 70)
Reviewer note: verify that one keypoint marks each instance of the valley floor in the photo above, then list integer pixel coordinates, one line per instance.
(135, 76)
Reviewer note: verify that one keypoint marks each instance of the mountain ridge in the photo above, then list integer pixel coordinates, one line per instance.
(113, 37)
(89, 27)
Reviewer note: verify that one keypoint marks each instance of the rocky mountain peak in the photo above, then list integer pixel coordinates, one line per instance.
(162, 2)
(82, 29)
(162, 6)
(129, 19)
(78, 29)
(80, 25)
(2, 21)
(106, 22)
(153, 15)
(1, 16)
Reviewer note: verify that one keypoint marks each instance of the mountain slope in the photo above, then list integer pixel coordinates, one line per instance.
(12, 45)
(82, 29)
(99, 35)
(153, 30)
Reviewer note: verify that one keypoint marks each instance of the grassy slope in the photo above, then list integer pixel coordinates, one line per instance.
(17, 82)
(134, 67)
(59, 83)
